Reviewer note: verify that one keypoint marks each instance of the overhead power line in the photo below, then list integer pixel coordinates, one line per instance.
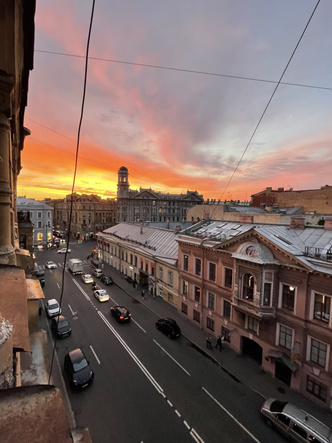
(190, 71)
(268, 103)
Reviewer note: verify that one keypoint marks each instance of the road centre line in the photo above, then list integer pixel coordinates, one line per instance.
(195, 436)
(58, 285)
(230, 415)
(82, 290)
(138, 325)
(131, 353)
(171, 357)
(93, 351)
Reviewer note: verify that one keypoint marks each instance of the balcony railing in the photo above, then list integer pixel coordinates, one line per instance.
(321, 253)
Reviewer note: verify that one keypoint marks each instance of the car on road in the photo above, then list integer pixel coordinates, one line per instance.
(101, 295)
(50, 265)
(52, 308)
(97, 272)
(40, 272)
(120, 313)
(87, 278)
(60, 326)
(106, 280)
(63, 250)
(77, 369)
(294, 423)
(169, 327)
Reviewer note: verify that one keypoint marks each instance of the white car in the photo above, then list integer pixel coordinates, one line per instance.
(50, 265)
(87, 278)
(63, 250)
(52, 308)
(97, 272)
(101, 295)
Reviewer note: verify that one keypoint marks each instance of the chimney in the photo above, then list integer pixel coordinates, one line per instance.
(328, 223)
(280, 189)
(297, 222)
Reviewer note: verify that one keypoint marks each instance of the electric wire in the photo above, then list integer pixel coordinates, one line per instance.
(75, 171)
(189, 71)
(270, 100)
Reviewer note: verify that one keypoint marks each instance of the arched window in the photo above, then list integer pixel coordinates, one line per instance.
(248, 284)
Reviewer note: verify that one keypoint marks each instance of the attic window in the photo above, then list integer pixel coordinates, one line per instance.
(283, 239)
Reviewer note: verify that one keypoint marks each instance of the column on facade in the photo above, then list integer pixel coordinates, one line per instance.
(7, 207)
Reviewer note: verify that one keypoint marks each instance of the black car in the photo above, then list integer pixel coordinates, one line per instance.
(40, 272)
(169, 327)
(106, 280)
(78, 370)
(61, 327)
(120, 313)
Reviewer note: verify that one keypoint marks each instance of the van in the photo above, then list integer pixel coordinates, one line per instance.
(97, 272)
(294, 423)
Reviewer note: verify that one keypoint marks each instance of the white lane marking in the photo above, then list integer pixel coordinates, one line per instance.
(73, 313)
(83, 292)
(171, 405)
(133, 356)
(93, 351)
(195, 436)
(232, 416)
(177, 413)
(186, 424)
(171, 357)
(58, 285)
(138, 325)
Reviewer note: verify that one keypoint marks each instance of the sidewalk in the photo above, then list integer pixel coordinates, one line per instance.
(239, 367)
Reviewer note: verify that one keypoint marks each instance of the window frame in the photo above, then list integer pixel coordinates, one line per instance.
(185, 264)
(211, 296)
(284, 304)
(282, 341)
(212, 271)
(228, 277)
(198, 266)
(322, 355)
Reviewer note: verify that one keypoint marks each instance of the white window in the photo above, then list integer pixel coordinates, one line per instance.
(318, 352)
(161, 273)
(253, 324)
(184, 287)
(321, 307)
(287, 296)
(170, 278)
(285, 336)
(211, 300)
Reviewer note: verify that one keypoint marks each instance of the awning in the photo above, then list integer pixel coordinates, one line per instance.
(287, 361)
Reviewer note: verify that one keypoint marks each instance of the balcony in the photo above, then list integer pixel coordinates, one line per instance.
(321, 253)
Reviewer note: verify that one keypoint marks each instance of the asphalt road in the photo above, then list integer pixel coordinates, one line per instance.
(147, 388)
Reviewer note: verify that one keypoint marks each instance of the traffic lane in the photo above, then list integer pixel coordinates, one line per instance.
(193, 354)
(121, 404)
(234, 403)
(148, 348)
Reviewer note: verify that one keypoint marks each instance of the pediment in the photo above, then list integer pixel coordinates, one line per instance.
(146, 195)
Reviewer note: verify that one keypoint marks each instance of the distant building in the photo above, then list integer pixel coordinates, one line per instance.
(312, 200)
(90, 214)
(41, 216)
(147, 255)
(149, 205)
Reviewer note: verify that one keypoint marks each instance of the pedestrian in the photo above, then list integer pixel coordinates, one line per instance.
(143, 294)
(209, 342)
(219, 343)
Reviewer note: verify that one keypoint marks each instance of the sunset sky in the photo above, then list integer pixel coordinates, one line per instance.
(183, 122)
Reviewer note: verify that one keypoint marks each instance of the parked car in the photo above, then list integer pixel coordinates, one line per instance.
(101, 295)
(77, 369)
(121, 313)
(61, 326)
(169, 327)
(50, 265)
(52, 308)
(87, 278)
(63, 250)
(294, 423)
(40, 272)
(97, 272)
(106, 280)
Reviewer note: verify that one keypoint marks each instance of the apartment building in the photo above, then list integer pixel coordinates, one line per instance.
(147, 255)
(267, 290)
